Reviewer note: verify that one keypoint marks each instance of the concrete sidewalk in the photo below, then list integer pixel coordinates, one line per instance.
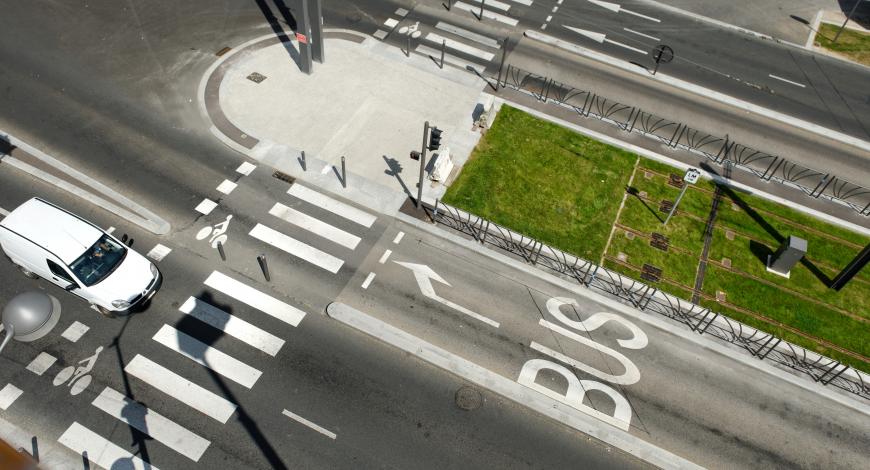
(367, 102)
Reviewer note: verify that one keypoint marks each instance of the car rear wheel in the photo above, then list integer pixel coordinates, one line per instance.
(27, 272)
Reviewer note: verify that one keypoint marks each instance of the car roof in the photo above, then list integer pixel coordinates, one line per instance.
(52, 228)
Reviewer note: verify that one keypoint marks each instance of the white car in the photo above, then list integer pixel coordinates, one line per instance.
(46, 241)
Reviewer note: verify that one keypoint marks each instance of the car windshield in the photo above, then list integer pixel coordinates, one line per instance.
(98, 261)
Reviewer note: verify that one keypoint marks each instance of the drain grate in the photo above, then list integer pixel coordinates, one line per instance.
(468, 398)
(659, 241)
(675, 180)
(666, 206)
(283, 177)
(256, 77)
(650, 273)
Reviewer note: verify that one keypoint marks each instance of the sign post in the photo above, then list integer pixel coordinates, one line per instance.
(662, 54)
(304, 37)
(691, 177)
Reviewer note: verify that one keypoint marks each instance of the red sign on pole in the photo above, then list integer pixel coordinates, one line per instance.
(301, 38)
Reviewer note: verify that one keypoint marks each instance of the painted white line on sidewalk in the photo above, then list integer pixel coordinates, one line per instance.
(311, 425)
(207, 356)
(385, 256)
(206, 206)
(642, 34)
(368, 281)
(100, 451)
(183, 390)
(296, 248)
(254, 298)
(315, 226)
(787, 80)
(486, 13)
(8, 395)
(226, 187)
(391, 23)
(485, 40)
(75, 331)
(232, 325)
(246, 168)
(492, 3)
(448, 58)
(329, 204)
(146, 420)
(41, 363)
(399, 237)
(159, 252)
(459, 46)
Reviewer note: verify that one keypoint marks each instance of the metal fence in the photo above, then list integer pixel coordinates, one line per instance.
(647, 298)
(768, 167)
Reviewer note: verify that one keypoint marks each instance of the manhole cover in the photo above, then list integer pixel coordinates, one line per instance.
(468, 399)
(256, 77)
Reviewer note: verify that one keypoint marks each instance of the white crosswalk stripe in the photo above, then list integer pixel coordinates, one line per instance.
(471, 35)
(296, 248)
(459, 46)
(100, 451)
(315, 226)
(493, 4)
(254, 298)
(153, 424)
(448, 58)
(486, 13)
(336, 207)
(232, 325)
(181, 389)
(207, 356)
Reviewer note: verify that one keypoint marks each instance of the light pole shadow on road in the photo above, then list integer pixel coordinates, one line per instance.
(278, 29)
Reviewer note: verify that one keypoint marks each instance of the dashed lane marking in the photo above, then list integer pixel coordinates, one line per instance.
(3, 212)
(385, 256)
(232, 325)
(149, 422)
(368, 281)
(391, 22)
(75, 331)
(8, 395)
(254, 298)
(226, 187)
(100, 451)
(246, 168)
(399, 237)
(183, 390)
(206, 206)
(42, 363)
(296, 248)
(110, 230)
(311, 425)
(207, 356)
(159, 252)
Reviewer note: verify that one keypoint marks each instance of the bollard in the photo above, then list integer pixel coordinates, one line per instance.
(408, 50)
(443, 45)
(302, 161)
(261, 259)
(220, 248)
(482, 3)
(343, 173)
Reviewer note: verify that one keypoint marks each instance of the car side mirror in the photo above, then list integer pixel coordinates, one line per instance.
(71, 287)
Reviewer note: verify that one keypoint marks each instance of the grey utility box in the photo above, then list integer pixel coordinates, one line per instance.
(791, 251)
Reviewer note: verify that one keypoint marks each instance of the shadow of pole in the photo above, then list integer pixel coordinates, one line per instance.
(634, 192)
(208, 335)
(278, 29)
(394, 169)
(137, 437)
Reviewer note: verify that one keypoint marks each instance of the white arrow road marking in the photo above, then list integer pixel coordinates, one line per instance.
(424, 276)
(616, 8)
(601, 38)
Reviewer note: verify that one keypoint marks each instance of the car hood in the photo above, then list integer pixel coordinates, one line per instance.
(127, 281)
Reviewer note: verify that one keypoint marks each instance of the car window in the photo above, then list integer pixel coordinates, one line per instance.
(98, 261)
(58, 271)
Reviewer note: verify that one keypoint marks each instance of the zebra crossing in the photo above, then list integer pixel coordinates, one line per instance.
(194, 344)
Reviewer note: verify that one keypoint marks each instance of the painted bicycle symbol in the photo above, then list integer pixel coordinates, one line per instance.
(78, 377)
(413, 30)
(216, 231)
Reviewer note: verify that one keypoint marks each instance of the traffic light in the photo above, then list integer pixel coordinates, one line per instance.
(434, 138)
(415, 155)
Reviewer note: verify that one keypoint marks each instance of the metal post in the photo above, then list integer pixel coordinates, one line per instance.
(482, 3)
(317, 33)
(408, 49)
(501, 65)
(422, 165)
(443, 46)
(848, 17)
(449, 4)
(677, 202)
(305, 48)
(261, 259)
(302, 161)
(343, 173)
(220, 248)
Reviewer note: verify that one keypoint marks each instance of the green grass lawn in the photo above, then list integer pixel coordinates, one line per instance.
(854, 45)
(565, 189)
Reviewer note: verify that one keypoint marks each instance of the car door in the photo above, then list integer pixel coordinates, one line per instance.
(63, 278)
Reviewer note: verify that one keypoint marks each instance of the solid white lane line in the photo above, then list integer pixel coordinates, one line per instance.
(390, 23)
(399, 237)
(485, 40)
(642, 34)
(159, 252)
(232, 325)
(368, 281)
(8, 395)
(254, 298)
(296, 248)
(183, 390)
(448, 58)
(315, 226)
(486, 13)
(311, 425)
(207, 356)
(787, 81)
(493, 3)
(226, 187)
(246, 168)
(459, 46)
(336, 207)
(385, 256)
(41, 363)
(206, 206)
(75, 331)
(100, 451)
(160, 428)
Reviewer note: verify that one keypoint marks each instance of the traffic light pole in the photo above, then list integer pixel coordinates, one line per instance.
(422, 165)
